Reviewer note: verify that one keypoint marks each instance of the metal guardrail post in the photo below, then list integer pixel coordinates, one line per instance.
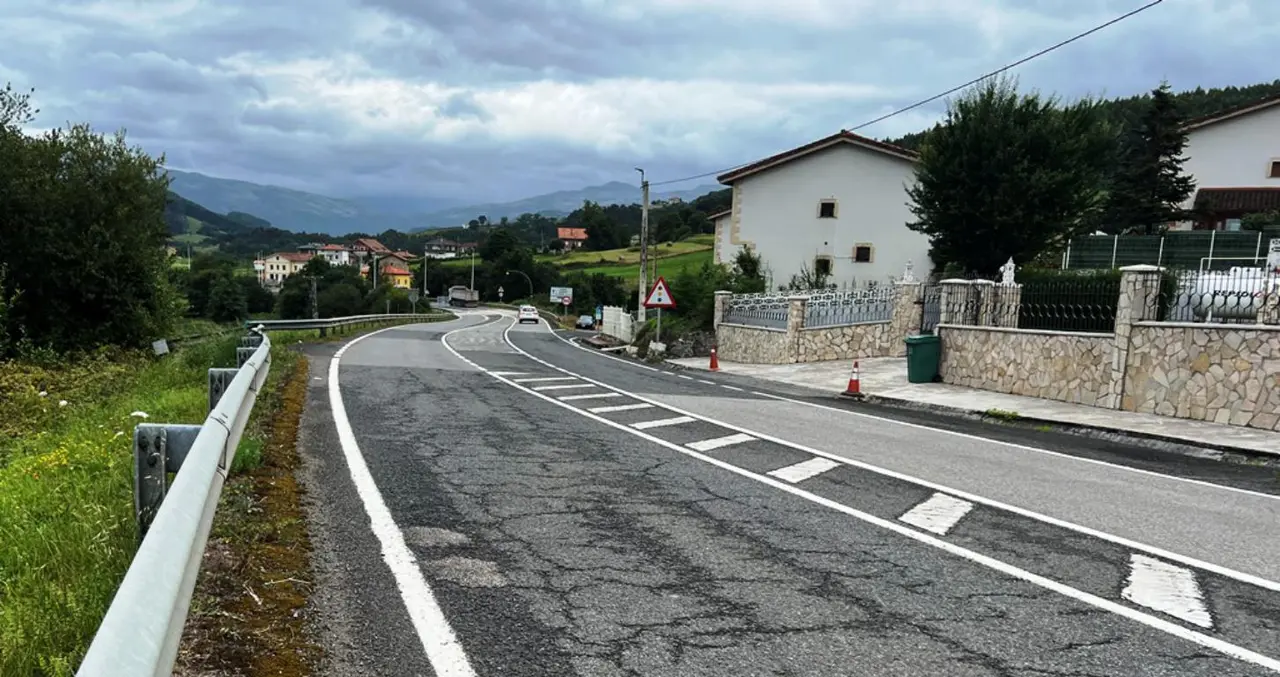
(243, 355)
(219, 379)
(158, 449)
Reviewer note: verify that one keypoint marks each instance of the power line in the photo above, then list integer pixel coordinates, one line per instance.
(955, 89)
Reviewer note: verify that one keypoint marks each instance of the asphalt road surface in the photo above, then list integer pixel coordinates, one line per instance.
(490, 499)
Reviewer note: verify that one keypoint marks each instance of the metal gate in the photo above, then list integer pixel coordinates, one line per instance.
(930, 308)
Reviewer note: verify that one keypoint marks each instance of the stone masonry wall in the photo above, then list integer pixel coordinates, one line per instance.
(849, 342)
(1058, 366)
(754, 345)
(1220, 373)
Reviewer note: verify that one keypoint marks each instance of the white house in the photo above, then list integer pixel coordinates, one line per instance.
(336, 255)
(278, 266)
(838, 204)
(1234, 158)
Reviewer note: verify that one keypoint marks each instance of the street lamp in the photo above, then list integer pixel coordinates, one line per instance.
(526, 277)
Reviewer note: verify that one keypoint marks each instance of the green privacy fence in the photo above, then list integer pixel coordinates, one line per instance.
(1195, 250)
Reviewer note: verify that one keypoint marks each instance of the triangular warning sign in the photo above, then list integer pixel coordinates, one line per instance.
(659, 296)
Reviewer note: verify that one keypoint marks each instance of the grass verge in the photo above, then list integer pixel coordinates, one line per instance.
(66, 500)
(248, 614)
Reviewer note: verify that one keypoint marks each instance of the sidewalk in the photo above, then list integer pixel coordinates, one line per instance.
(884, 380)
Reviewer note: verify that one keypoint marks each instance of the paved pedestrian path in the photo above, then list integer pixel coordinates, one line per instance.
(885, 379)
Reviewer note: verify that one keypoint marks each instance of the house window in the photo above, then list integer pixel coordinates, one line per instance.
(822, 266)
(862, 253)
(1274, 173)
(827, 209)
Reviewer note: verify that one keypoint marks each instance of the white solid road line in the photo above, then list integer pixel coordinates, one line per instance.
(512, 373)
(545, 378)
(955, 433)
(1228, 572)
(592, 396)
(1166, 588)
(938, 514)
(444, 652)
(620, 407)
(718, 442)
(805, 469)
(1168, 627)
(565, 387)
(663, 422)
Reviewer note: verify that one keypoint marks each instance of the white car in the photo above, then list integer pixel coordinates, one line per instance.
(527, 314)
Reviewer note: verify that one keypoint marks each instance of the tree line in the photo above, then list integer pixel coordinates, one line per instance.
(1016, 175)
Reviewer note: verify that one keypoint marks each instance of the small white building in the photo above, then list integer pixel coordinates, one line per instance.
(1234, 158)
(838, 205)
(278, 266)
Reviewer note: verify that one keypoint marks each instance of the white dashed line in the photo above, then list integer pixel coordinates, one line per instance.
(663, 422)
(718, 442)
(805, 469)
(733, 388)
(687, 378)
(542, 379)
(592, 396)
(1166, 588)
(565, 387)
(938, 514)
(620, 407)
(704, 381)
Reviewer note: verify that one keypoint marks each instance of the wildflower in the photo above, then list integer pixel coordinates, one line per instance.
(62, 403)
(140, 414)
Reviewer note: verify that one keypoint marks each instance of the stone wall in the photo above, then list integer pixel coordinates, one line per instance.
(1070, 367)
(754, 345)
(849, 342)
(1210, 372)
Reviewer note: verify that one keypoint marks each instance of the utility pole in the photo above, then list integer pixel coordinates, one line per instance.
(473, 269)
(644, 242)
(315, 304)
(424, 271)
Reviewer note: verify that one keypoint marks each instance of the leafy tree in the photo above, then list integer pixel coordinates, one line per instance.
(499, 243)
(227, 301)
(1260, 220)
(748, 272)
(257, 298)
(340, 300)
(557, 245)
(1150, 188)
(1008, 175)
(602, 232)
(83, 230)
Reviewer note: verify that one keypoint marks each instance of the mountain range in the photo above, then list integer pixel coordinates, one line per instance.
(300, 211)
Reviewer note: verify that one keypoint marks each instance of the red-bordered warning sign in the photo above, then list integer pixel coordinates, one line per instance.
(660, 296)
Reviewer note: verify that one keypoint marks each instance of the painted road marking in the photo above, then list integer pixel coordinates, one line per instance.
(566, 387)
(443, 651)
(511, 373)
(805, 469)
(592, 396)
(1166, 588)
(1114, 607)
(741, 390)
(620, 407)
(663, 422)
(687, 378)
(1243, 577)
(937, 514)
(545, 378)
(718, 442)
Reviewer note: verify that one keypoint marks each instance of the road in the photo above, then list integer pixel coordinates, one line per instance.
(489, 499)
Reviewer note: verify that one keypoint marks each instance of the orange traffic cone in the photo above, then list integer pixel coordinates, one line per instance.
(715, 363)
(855, 386)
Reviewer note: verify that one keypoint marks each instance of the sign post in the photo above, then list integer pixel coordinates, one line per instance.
(659, 297)
(413, 298)
(501, 291)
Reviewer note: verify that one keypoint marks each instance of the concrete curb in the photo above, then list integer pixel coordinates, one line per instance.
(1177, 445)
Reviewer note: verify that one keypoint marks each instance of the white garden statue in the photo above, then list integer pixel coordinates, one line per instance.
(908, 274)
(1006, 272)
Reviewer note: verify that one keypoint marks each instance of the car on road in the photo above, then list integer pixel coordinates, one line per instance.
(586, 322)
(527, 314)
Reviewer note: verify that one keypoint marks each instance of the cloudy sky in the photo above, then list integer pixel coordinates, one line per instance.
(486, 100)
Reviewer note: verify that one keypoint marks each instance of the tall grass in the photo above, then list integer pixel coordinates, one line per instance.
(66, 510)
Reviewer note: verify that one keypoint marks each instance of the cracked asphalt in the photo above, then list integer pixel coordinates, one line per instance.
(559, 545)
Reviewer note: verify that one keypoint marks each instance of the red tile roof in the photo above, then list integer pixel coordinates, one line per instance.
(1237, 200)
(1232, 113)
(571, 233)
(334, 248)
(371, 245)
(395, 270)
(296, 257)
(843, 136)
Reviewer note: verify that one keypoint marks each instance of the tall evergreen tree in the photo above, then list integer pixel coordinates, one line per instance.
(1149, 187)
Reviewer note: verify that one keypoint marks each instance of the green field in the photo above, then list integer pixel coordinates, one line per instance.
(672, 257)
(668, 266)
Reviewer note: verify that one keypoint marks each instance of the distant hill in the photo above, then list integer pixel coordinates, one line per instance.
(299, 211)
(193, 226)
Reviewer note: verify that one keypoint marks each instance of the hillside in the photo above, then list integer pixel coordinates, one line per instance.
(1124, 112)
(300, 211)
(236, 233)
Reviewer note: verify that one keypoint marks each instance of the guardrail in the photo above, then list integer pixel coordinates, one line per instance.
(140, 633)
(325, 324)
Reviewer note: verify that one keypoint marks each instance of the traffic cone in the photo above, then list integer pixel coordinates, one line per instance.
(855, 386)
(715, 363)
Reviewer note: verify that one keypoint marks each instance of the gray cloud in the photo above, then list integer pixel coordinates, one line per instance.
(498, 99)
